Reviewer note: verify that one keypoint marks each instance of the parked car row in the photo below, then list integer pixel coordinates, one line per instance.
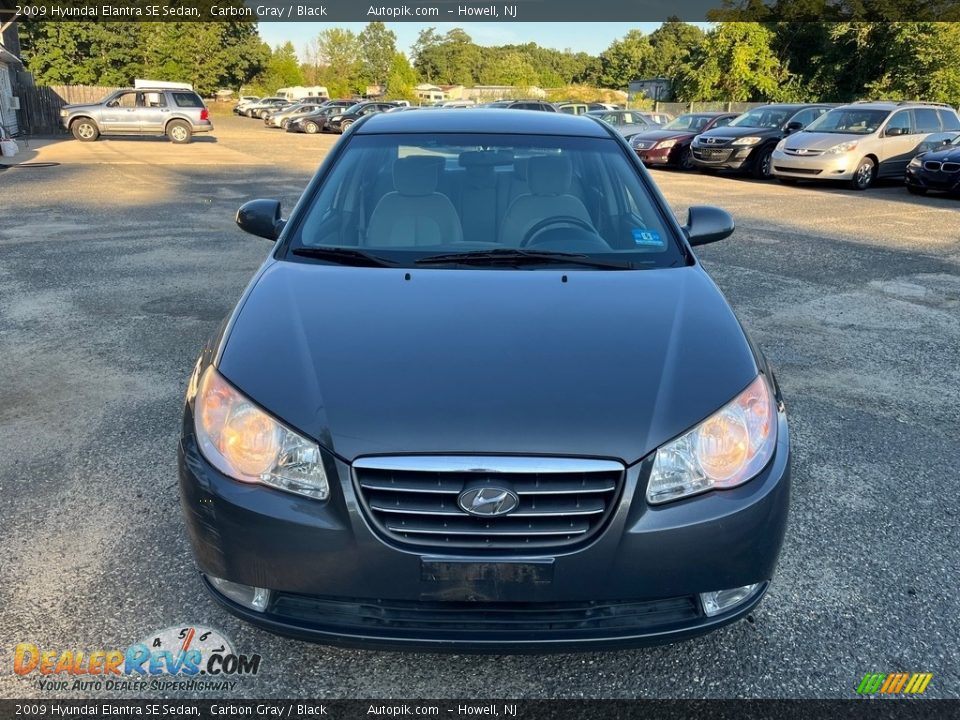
(856, 143)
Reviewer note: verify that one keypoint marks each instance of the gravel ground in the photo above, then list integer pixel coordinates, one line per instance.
(118, 261)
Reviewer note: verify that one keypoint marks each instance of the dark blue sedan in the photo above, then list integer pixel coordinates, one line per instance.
(482, 395)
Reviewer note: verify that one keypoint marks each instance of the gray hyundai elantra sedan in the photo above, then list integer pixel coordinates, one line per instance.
(481, 395)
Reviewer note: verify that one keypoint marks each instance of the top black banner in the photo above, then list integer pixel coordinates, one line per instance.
(461, 11)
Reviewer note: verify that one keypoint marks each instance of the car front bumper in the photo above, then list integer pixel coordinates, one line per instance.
(657, 156)
(727, 157)
(334, 580)
(944, 182)
(818, 167)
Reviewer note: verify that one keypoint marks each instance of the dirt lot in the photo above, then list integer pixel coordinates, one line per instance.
(120, 257)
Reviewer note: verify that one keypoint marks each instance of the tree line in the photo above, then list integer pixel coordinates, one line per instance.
(732, 61)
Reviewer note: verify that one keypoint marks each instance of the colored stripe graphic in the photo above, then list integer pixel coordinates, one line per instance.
(894, 683)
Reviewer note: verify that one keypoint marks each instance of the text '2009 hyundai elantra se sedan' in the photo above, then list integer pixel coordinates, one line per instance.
(482, 396)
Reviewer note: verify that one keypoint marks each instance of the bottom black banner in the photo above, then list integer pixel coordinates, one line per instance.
(492, 709)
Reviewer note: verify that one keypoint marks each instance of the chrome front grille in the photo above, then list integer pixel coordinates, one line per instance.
(712, 154)
(802, 152)
(415, 499)
(937, 166)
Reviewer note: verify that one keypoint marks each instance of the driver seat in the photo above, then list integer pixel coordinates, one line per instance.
(549, 178)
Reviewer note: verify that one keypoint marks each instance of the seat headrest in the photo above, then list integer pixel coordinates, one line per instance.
(417, 175)
(550, 174)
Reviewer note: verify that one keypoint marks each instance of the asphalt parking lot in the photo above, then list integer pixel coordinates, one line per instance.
(118, 258)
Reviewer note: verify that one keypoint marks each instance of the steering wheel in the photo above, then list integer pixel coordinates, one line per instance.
(539, 227)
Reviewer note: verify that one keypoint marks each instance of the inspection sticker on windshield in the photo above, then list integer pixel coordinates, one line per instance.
(648, 238)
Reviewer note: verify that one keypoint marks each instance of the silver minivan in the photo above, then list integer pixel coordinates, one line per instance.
(861, 142)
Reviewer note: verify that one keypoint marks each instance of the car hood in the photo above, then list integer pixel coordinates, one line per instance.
(821, 141)
(607, 364)
(736, 132)
(948, 154)
(82, 106)
(658, 135)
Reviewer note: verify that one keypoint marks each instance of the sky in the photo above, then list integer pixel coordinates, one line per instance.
(593, 38)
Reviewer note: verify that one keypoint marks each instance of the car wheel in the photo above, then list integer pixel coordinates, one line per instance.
(763, 164)
(284, 124)
(85, 130)
(179, 132)
(263, 114)
(311, 127)
(344, 126)
(914, 190)
(863, 175)
(686, 159)
(248, 113)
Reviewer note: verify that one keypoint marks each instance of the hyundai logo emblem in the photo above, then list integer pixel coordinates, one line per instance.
(488, 501)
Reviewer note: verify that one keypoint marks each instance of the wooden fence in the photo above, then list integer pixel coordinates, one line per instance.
(40, 104)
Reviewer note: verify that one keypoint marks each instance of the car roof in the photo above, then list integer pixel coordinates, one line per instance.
(894, 105)
(482, 120)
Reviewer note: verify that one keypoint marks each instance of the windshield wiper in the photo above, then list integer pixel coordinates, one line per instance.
(344, 256)
(514, 256)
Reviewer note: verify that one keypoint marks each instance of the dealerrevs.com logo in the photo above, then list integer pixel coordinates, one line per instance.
(176, 658)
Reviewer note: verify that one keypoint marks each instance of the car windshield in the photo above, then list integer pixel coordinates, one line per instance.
(848, 121)
(689, 122)
(404, 198)
(765, 117)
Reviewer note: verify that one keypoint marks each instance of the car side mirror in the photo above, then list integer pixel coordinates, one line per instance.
(261, 218)
(794, 125)
(895, 131)
(707, 224)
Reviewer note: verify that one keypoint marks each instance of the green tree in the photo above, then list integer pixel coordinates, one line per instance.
(378, 48)
(508, 67)
(672, 43)
(627, 59)
(735, 64)
(208, 55)
(282, 70)
(402, 81)
(338, 61)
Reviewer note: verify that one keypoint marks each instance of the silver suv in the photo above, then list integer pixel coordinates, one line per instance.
(176, 113)
(864, 141)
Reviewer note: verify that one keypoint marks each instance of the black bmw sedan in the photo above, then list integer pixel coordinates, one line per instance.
(481, 395)
(937, 170)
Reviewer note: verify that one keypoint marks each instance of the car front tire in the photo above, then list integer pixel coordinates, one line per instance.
(85, 130)
(311, 128)
(179, 132)
(763, 165)
(863, 175)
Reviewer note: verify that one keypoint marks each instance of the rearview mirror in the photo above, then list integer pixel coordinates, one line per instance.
(261, 218)
(707, 224)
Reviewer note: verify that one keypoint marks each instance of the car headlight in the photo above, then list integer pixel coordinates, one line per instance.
(727, 449)
(63, 113)
(664, 144)
(781, 145)
(244, 442)
(916, 162)
(748, 140)
(842, 148)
